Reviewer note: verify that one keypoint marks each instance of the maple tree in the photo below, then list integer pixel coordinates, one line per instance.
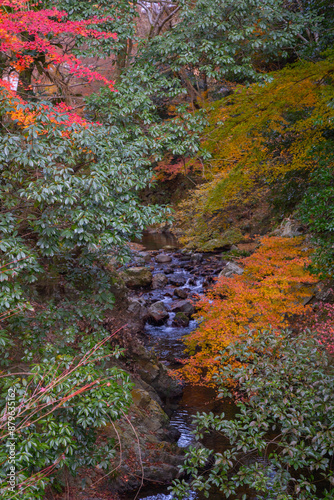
(33, 44)
(269, 292)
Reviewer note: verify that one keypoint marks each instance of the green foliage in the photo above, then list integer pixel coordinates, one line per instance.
(317, 211)
(223, 39)
(120, 18)
(322, 35)
(69, 203)
(69, 200)
(281, 440)
(138, 113)
(58, 407)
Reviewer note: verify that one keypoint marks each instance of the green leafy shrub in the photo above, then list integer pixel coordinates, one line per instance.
(51, 414)
(281, 441)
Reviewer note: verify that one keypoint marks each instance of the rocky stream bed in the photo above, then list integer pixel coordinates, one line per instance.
(164, 283)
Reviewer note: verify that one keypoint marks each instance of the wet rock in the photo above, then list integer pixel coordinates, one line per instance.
(147, 370)
(159, 281)
(183, 306)
(164, 473)
(163, 258)
(145, 256)
(157, 313)
(168, 270)
(173, 434)
(289, 228)
(135, 277)
(169, 247)
(197, 257)
(165, 385)
(177, 279)
(181, 319)
(137, 308)
(230, 270)
(181, 293)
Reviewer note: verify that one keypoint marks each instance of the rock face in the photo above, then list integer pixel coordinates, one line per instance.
(163, 258)
(144, 438)
(157, 313)
(159, 281)
(136, 277)
(177, 279)
(224, 241)
(183, 306)
(230, 270)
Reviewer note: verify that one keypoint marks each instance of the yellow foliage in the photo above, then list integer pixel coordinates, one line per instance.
(260, 134)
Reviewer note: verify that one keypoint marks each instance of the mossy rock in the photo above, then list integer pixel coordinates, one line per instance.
(137, 277)
(181, 319)
(224, 241)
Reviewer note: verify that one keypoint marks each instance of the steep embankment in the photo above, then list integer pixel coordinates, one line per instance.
(271, 154)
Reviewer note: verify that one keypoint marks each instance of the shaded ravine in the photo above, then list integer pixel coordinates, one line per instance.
(195, 272)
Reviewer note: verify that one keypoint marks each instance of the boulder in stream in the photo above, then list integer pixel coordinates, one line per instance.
(137, 308)
(163, 258)
(177, 279)
(183, 306)
(157, 313)
(230, 270)
(145, 256)
(159, 280)
(181, 293)
(136, 277)
(181, 319)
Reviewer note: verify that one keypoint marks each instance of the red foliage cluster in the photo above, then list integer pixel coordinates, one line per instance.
(23, 31)
(20, 111)
(322, 323)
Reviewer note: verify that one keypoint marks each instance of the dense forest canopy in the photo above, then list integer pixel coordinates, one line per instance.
(100, 101)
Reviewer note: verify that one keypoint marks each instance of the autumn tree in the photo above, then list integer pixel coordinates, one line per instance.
(37, 49)
(273, 138)
(270, 291)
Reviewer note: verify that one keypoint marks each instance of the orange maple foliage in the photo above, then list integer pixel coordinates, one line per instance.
(269, 292)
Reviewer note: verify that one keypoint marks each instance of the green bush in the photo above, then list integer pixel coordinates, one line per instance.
(281, 441)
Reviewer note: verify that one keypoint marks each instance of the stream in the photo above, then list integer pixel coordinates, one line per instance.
(194, 273)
